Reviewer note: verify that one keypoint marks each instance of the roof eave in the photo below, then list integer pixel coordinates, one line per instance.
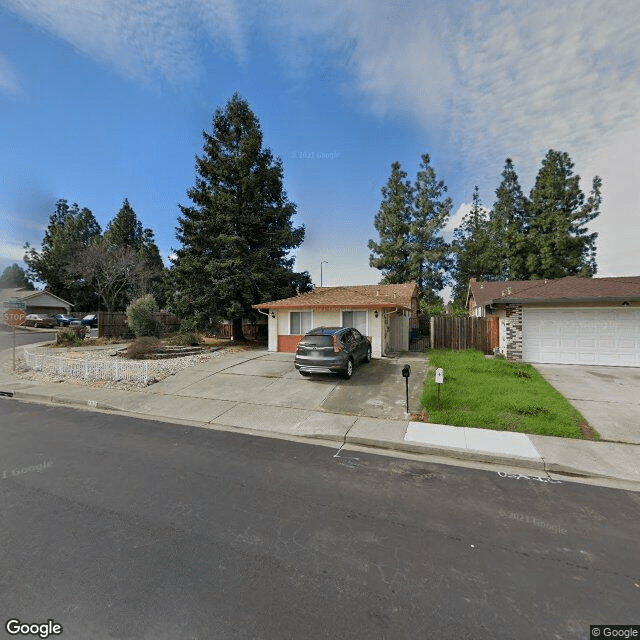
(328, 306)
(563, 300)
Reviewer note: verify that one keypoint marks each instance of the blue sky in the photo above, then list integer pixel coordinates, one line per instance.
(105, 100)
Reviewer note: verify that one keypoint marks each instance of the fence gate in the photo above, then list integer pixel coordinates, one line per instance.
(464, 333)
(418, 333)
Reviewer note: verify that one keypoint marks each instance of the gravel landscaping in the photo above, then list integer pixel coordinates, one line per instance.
(158, 369)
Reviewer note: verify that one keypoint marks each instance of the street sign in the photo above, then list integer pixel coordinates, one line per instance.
(14, 317)
(16, 304)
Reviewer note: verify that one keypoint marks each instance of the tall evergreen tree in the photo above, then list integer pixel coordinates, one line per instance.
(392, 253)
(237, 235)
(473, 248)
(126, 231)
(14, 277)
(558, 243)
(70, 230)
(507, 228)
(430, 259)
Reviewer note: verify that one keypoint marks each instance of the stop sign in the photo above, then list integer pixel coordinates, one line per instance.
(14, 317)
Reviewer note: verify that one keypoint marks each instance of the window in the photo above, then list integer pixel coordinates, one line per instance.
(355, 319)
(299, 322)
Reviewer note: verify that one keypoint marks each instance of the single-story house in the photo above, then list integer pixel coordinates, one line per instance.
(568, 320)
(379, 311)
(37, 301)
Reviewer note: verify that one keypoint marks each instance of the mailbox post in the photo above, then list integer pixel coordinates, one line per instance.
(406, 372)
(439, 381)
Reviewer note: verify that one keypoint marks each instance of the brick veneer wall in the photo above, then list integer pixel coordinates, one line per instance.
(514, 332)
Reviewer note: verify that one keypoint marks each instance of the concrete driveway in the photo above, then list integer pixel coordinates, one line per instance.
(608, 397)
(376, 390)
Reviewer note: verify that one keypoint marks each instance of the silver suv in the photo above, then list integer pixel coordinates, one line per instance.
(332, 350)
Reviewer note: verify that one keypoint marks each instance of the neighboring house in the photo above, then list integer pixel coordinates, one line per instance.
(380, 312)
(37, 301)
(566, 321)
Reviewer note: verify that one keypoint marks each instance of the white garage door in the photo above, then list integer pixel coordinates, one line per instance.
(582, 336)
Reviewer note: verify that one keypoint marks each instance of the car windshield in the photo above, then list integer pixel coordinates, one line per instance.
(318, 341)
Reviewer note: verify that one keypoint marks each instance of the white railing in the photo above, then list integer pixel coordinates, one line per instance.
(113, 370)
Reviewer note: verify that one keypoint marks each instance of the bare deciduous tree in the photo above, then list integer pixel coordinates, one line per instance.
(115, 273)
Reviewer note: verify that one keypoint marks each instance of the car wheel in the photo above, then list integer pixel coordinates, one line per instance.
(348, 372)
(367, 358)
(35, 325)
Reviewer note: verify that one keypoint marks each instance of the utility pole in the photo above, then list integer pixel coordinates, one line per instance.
(323, 262)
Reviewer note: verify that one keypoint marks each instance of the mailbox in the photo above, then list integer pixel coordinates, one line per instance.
(406, 371)
(439, 376)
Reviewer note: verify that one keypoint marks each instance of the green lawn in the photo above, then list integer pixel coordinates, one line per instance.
(492, 393)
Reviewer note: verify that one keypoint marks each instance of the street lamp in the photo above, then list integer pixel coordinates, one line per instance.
(323, 262)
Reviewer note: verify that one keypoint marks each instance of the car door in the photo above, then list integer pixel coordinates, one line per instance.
(360, 345)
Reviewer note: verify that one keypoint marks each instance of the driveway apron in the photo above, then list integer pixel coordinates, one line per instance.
(376, 390)
(608, 397)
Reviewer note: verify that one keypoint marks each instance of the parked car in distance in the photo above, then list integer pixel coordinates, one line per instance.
(90, 320)
(332, 350)
(63, 319)
(39, 320)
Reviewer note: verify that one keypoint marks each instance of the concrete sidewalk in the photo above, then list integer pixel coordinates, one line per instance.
(260, 393)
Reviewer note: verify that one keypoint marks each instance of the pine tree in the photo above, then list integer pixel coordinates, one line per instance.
(14, 277)
(237, 234)
(126, 231)
(558, 244)
(507, 227)
(430, 260)
(473, 247)
(391, 254)
(69, 232)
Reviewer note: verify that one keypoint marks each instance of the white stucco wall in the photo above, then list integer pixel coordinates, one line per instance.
(273, 332)
(332, 318)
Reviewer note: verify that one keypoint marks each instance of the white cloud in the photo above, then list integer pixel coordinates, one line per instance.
(8, 76)
(499, 78)
(618, 223)
(11, 252)
(140, 38)
(456, 219)
(534, 76)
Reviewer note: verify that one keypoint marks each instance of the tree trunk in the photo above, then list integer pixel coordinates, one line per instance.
(236, 329)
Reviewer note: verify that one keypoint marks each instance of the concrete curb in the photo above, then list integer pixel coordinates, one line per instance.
(611, 462)
(451, 452)
(358, 439)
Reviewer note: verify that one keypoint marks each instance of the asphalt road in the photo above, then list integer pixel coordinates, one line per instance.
(121, 528)
(23, 337)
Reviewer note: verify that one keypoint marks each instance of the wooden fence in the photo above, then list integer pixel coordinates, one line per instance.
(249, 330)
(464, 333)
(114, 325)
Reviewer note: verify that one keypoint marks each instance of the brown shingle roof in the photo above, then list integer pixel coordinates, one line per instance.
(352, 297)
(571, 288)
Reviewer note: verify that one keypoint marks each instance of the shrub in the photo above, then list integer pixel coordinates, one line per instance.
(71, 336)
(143, 348)
(140, 317)
(188, 325)
(184, 340)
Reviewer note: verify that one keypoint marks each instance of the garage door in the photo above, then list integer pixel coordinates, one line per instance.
(582, 336)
